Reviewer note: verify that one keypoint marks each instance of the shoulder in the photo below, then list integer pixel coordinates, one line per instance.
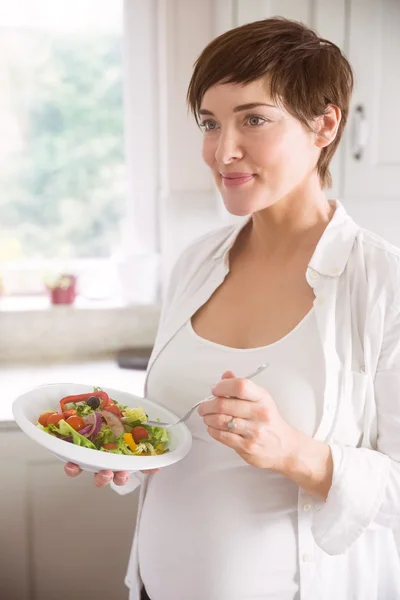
(202, 251)
(197, 259)
(210, 243)
(382, 265)
(380, 252)
(376, 245)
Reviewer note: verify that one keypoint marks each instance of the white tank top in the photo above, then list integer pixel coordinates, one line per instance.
(212, 526)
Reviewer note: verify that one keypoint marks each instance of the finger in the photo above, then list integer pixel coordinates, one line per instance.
(244, 427)
(239, 388)
(229, 406)
(121, 477)
(228, 375)
(72, 470)
(103, 478)
(150, 471)
(236, 442)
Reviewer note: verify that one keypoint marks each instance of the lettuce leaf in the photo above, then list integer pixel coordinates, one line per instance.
(158, 435)
(105, 436)
(135, 416)
(77, 438)
(121, 448)
(83, 409)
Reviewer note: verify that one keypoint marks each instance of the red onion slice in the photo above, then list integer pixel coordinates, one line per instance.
(93, 423)
(97, 426)
(86, 430)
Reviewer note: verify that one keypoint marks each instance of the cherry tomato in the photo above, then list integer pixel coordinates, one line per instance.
(54, 419)
(109, 446)
(139, 433)
(69, 413)
(43, 419)
(76, 422)
(113, 409)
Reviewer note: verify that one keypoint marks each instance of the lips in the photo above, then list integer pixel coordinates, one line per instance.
(235, 179)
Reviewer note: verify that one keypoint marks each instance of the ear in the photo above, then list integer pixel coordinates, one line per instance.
(327, 126)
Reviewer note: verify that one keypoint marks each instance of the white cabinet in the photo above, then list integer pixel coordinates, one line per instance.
(299, 10)
(372, 165)
(60, 538)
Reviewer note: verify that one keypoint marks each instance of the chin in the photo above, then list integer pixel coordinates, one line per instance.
(247, 206)
(238, 211)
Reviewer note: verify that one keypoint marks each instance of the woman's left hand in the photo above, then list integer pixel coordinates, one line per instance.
(259, 434)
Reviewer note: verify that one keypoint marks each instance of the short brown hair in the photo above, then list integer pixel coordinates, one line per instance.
(304, 71)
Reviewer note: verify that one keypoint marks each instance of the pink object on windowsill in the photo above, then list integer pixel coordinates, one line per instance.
(64, 292)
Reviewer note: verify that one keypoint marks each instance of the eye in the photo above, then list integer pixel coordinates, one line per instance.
(255, 121)
(208, 125)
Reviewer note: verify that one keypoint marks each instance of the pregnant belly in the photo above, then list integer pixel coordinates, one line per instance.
(213, 527)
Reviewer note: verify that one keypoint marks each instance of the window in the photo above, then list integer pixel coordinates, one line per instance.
(62, 179)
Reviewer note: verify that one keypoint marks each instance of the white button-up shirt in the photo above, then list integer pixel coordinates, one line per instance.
(347, 545)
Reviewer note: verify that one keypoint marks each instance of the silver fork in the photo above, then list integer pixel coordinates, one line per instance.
(189, 412)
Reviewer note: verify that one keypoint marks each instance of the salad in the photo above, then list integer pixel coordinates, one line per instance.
(95, 421)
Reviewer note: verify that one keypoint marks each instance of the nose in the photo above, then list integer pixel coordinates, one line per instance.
(228, 149)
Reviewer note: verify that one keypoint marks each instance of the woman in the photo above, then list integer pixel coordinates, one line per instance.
(292, 487)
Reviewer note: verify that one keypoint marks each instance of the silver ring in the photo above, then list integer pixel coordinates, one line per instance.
(232, 424)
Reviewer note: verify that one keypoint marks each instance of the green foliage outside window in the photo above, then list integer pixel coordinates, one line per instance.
(63, 177)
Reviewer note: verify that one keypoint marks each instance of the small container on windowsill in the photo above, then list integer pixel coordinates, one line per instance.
(63, 290)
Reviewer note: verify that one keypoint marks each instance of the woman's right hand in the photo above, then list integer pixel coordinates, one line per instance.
(103, 478)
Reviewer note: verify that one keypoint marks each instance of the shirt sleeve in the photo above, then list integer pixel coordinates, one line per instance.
(134, 482)
(366, 483)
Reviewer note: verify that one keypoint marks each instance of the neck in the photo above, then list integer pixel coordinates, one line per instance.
(295, 221)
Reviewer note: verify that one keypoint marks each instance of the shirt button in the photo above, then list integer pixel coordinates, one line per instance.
(306, 507)
(308, 557)
(314, 275)
(335, 271)
(320, 300)
(362, 369)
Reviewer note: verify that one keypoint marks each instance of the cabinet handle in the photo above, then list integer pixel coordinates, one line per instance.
(360, 132)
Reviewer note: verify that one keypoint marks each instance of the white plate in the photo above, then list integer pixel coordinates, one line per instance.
(27, 408)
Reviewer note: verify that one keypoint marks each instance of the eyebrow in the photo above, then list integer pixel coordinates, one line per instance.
(250, 105)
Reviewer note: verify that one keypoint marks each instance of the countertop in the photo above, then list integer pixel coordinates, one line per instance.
(105, 373)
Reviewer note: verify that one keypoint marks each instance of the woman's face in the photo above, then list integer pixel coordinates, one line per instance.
(257, 151)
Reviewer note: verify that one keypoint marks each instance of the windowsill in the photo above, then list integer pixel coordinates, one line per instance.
(44, 334)
(42, 303)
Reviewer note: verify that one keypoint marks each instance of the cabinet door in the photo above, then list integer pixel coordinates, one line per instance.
(60, 538)
(325, 16)
(372, 165)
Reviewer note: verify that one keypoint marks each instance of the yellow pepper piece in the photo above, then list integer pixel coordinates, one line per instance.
(160, 449)
(130, 442)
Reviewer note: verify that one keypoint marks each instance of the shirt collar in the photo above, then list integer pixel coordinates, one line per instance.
(333, 249)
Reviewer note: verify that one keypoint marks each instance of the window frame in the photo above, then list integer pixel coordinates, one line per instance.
(143, 142)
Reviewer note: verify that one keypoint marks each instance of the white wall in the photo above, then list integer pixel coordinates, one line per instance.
(188, 200)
